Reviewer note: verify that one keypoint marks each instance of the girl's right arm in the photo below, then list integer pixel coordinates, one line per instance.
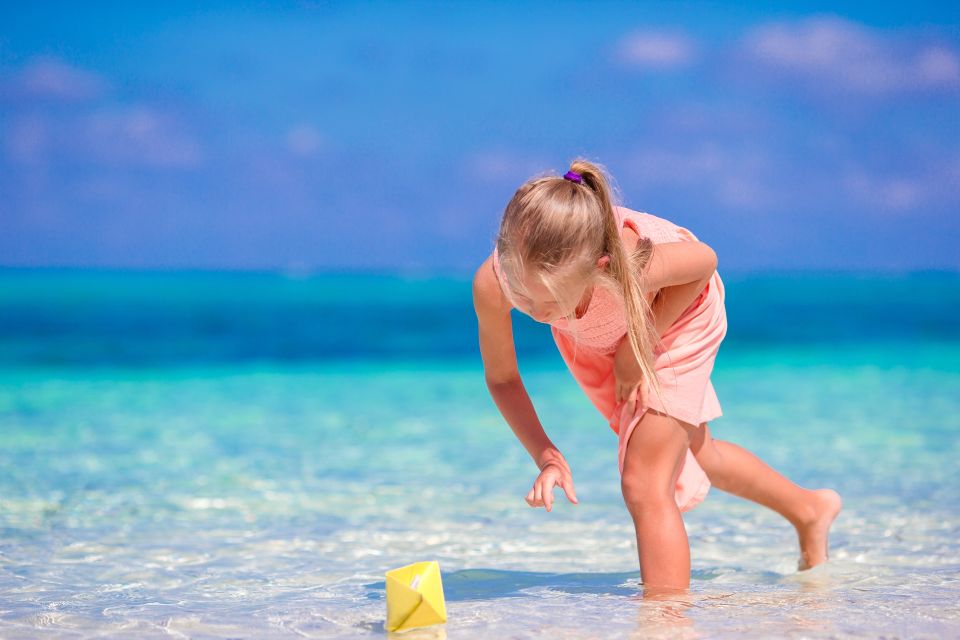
(501, 371)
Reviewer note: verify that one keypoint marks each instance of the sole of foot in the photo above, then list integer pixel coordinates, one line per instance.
(814, 535)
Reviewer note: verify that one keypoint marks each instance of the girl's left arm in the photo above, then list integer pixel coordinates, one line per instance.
(676, 274)
(678, 271)
(672, 301)
(677, 263)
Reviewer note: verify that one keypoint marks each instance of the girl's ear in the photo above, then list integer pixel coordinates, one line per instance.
(603, 261)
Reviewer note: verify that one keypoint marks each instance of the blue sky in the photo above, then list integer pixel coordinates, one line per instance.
(379, 136)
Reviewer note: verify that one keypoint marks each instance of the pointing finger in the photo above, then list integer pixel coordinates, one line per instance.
(571, 494)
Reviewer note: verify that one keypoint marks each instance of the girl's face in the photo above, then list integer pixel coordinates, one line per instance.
(539, 304)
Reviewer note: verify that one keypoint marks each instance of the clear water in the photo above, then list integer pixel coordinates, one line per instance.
(216, 473)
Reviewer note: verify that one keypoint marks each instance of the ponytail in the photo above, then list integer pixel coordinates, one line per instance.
(627, 270)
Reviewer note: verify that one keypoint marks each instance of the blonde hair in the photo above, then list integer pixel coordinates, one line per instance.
(555, 230)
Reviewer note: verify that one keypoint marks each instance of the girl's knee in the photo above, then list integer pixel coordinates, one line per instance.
(644, 493)
(654, 455)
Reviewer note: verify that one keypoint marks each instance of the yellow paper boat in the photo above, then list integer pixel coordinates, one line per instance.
(415, 596)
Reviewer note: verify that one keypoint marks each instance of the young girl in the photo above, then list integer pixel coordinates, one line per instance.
(634, 303)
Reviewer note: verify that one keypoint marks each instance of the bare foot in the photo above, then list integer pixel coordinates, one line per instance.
(814, 534)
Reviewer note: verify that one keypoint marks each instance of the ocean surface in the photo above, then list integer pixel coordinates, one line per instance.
(231, 455)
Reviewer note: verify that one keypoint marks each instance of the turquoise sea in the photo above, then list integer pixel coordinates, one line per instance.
(243, 455)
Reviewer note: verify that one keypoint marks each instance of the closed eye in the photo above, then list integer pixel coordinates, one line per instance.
(525, 298)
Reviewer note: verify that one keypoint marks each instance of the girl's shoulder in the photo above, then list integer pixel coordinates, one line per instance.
(488, 286)
(654, 227)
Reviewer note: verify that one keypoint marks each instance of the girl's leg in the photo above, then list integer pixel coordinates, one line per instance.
(735, 470)
(652, 461)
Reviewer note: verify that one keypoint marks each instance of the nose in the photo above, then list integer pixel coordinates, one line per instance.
(540, 317)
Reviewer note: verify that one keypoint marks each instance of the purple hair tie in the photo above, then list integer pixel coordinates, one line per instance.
(573, 176)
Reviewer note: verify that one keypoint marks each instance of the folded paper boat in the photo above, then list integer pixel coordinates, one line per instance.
(414, 596)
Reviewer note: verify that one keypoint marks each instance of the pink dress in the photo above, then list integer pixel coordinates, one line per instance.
(683, 362)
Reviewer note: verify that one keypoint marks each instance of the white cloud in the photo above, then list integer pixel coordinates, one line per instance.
(502, 165)
(304, 140)
(141, 136)
(939, 65)
(890, 194)
(735, 178)
(838, 53)
(93, 130)
(137, 136)
(51, 79)
(27, 139)
(655, 50)
(937, 186)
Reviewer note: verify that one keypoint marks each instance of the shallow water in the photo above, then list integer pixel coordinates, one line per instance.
(243, 498)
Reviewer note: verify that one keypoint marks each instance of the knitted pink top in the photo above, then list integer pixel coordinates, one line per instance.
(603, 324)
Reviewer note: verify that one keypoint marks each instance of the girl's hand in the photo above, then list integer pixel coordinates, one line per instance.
(630, 384)
(552, 474)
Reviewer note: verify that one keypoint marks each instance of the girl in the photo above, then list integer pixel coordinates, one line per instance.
(634, 302)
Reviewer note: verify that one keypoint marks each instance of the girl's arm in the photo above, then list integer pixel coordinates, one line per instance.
(672, 301)
(678, 271)
(515, 405)
(678, 263)
(669, 270)
(501, 371)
